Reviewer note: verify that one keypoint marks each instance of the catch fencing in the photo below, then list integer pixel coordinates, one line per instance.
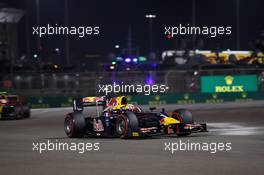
(87, 84)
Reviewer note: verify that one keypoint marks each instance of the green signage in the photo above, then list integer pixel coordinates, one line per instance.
(156, 100)
(229, 83)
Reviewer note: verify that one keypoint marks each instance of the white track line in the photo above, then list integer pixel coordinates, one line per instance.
(234, 129)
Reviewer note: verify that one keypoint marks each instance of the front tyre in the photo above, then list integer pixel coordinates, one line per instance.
(74, 125)
(185, 117)
(122, 126)
(126, 125)
(26, 111)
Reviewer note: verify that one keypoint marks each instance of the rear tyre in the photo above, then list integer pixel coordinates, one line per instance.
(126, 124)
(185, 117)
(26, 111)
(18, 113)
(74, 125)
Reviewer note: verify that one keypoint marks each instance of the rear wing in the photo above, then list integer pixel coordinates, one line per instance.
(12, 98)
(79, 103)
(3, 95)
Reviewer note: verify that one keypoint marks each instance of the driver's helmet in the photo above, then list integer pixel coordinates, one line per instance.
(121, 103)
(3, 99)
(123, 100)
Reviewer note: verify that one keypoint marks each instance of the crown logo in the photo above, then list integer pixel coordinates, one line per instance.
(69, 99)
(157, 97)
(186, 96)
(229, 80)
(40, 100)
(214, 96)
(244, 95)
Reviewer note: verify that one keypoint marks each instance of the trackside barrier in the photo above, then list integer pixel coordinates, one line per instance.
(152, 100)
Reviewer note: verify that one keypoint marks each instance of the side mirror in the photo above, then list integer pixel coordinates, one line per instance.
(152, 108)
(77, 105)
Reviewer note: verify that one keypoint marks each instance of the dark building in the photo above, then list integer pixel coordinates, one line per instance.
(9, 19)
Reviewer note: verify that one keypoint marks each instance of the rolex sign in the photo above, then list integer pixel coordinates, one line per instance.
(229, 83)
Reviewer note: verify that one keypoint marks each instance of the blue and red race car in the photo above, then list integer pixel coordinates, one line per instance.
(116, 118)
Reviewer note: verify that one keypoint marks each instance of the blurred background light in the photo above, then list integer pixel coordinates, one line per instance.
(56, 66)
(135, 60)
(150, 80)
(142, 58)
(128, 60)
(119, 59)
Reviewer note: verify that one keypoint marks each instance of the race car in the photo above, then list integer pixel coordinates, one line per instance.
(12, 107)
(116, 118)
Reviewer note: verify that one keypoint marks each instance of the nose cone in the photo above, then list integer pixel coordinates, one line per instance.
(3, 101)
(169, 121)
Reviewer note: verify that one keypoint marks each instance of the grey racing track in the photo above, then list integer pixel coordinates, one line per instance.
(242, 124)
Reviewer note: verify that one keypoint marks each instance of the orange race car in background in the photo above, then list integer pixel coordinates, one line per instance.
(13, 107)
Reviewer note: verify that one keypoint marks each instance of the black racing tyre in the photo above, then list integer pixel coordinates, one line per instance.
(26, 111)
(18, 112)
(185, 117)
(126, 124)
(74, 125)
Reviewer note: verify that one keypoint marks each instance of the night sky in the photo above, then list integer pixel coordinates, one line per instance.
(115, 17)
